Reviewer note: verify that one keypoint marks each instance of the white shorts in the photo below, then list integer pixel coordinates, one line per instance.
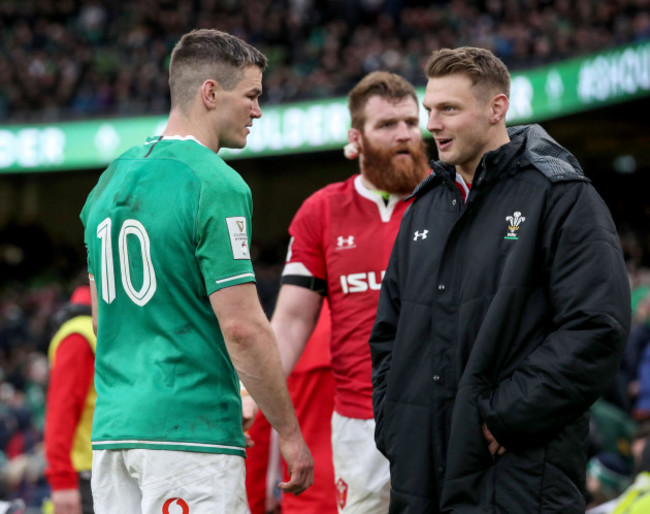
(361, 472)
(168, 482)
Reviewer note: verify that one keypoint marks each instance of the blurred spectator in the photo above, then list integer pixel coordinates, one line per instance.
(620, 423)
(25, 313)
(641, 386)
(620, 426)
(14, 507)
(607, 477)
(21, 475)
(79, 58)
(70, 405)
(632, 390)
(612, 431)
(625, 391)
(636, 498)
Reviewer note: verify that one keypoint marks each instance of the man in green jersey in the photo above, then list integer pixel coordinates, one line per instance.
(175, 305)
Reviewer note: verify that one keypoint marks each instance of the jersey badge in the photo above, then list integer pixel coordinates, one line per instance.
(238, 237)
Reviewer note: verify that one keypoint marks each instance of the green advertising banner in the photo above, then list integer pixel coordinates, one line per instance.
(548, 92)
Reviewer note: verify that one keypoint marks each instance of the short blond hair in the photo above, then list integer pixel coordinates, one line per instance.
(481, 66)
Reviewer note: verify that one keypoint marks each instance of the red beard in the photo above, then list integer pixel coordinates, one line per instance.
(394, 175)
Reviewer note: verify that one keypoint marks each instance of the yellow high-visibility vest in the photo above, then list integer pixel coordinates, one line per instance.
(81, 453)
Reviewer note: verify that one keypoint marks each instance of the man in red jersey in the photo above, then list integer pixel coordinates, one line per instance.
(341, 239)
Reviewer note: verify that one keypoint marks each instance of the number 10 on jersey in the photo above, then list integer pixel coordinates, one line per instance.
(129, 227)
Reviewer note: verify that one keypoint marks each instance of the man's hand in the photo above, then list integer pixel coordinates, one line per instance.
(248, 413)
(299, 464)
(66, 501)
(248, 410)
(493, 445)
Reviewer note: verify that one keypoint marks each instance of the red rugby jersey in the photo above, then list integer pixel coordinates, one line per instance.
(341, 240)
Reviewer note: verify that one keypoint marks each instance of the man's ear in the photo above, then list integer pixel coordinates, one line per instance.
(354, 136)
(210, 93)
(499, 108)
(353, 148)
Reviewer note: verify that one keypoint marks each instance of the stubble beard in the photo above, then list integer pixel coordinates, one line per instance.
(394, 175)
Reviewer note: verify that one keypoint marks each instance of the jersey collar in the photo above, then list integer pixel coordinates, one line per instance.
(177, 138)
(385, 208)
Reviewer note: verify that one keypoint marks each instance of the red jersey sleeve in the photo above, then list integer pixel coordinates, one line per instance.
(305, 264)
(70, 378)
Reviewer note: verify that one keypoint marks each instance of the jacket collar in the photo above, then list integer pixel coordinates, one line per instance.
(493, 165)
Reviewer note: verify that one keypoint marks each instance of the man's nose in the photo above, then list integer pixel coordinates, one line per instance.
(433, 123)
(257, 111)
(403, 131)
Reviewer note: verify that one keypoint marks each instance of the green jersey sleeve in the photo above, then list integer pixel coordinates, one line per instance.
(224, 232)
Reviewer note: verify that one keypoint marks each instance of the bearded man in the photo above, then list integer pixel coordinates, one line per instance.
(341, 239)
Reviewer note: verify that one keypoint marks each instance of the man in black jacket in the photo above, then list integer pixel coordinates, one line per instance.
(503, 312)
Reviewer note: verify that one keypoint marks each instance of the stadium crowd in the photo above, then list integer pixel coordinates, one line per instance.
(78, 58)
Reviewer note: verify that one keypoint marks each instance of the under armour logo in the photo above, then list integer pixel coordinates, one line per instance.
(344, 241)
(422, 235)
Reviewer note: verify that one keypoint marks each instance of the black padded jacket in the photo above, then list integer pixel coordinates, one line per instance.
(511, 309)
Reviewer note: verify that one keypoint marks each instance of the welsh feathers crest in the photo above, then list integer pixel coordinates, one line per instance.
(514, 222)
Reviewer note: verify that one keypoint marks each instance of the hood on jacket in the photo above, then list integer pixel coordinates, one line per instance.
(545, 153)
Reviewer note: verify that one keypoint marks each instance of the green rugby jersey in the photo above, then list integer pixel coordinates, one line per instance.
(167, 224)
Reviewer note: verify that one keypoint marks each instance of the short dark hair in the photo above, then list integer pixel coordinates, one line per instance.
(378, 83)
(481, 66)
(209, 54)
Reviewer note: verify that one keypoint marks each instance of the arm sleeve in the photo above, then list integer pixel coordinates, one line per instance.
(70, 379)
(305, 265)
(588, 292)
(223, 234)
